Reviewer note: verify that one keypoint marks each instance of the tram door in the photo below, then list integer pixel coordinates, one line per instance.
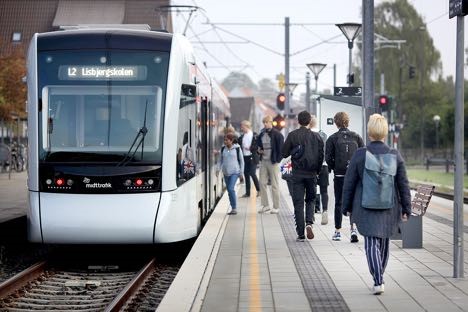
(205, 166)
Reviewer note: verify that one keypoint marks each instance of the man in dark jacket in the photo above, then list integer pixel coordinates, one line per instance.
(270, 141)
(340, 147)
(306, 150)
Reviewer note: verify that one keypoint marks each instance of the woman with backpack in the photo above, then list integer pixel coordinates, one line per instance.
(376, 195)
(231, 163)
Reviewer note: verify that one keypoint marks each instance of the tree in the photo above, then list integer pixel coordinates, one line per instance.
(416, 98)
(238, 80)
(12, 88)
(267, 90)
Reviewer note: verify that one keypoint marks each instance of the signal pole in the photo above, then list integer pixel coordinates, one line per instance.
(286, 70)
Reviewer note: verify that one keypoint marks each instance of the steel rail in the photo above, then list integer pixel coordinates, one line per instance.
(21, 279)
(132, 288)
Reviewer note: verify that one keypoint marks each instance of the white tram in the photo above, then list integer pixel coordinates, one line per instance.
(123, 131)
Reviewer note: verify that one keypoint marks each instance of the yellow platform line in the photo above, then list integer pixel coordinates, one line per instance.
(254, 277)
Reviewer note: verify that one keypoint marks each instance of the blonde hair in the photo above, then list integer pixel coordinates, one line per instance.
(246, 124)
(267, 118)
(377, 127)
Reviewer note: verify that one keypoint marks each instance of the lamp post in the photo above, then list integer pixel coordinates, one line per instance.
(436, 120)
(307, 96)
(350, 30)
(316, 68)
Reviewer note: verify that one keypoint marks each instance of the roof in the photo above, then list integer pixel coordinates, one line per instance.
(75, 12)
(355, 100)
(28, 17)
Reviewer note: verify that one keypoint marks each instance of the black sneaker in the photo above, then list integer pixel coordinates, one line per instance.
(245, 195)
(354, 237)
(300, 238)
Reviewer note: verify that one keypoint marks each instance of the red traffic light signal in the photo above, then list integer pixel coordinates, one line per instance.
(280, 101)
(279, 122)
(383, 100)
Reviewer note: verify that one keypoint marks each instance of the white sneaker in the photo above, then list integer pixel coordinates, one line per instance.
(336, 236)
(274, 211)
(325, 217)
(379, 289)
(264, 209)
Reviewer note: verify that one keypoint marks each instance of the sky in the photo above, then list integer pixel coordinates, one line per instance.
(221, 38)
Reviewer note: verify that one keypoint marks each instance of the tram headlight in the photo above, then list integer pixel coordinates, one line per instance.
(128, 182)
(48, 181)
(150, 182)
(69, 182)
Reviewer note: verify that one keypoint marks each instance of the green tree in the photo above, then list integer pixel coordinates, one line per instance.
(416, 99)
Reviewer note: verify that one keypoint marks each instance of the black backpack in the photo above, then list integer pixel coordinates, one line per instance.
(305, 156)
(345, 146)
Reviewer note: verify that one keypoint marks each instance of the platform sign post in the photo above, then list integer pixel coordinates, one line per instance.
(458, 8)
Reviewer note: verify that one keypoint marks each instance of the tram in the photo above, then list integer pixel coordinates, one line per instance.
(124, 128)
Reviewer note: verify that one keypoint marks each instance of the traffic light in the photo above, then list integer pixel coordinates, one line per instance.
(279, 122)
(350, 78)
(384, 102)
(280, 100)
(412, 72)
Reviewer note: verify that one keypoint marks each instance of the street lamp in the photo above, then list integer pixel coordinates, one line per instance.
(350, 30)
(436, 120)
(316, 68)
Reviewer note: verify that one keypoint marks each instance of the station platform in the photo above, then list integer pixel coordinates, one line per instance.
(13, 195)
(252, 262)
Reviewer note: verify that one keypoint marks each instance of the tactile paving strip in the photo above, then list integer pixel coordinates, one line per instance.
(319, 287)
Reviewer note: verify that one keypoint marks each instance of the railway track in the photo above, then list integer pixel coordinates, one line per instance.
(42, 287)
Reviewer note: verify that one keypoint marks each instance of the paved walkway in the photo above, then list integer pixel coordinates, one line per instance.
(13, 195)
(252, 264)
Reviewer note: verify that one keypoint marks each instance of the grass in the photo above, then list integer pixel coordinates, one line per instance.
(437, 176)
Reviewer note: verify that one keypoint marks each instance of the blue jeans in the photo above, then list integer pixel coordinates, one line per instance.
(230, 184)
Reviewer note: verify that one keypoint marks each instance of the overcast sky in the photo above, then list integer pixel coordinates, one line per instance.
(314, 38)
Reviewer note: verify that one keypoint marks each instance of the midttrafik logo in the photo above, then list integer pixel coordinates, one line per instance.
(88, 183)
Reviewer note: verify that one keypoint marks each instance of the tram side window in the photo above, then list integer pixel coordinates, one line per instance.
(186, 164)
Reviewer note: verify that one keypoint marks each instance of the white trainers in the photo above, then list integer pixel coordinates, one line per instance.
(264, 209)
(336, 236)
(274, 211)
(324, 217)
(379, 289)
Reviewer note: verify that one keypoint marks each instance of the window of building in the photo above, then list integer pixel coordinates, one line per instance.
(16, 37)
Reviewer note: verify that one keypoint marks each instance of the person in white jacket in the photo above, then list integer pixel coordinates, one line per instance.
(231, 163)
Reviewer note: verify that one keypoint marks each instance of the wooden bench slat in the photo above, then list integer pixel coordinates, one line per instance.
(421, 199)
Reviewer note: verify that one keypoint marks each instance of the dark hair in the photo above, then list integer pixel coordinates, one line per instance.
(230, 137)
(304, 118)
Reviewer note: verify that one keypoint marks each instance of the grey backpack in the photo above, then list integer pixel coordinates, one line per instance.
(378, 180)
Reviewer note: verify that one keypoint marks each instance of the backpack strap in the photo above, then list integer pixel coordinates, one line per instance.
(237, 152)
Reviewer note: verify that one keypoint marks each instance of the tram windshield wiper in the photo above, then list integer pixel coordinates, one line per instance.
(140, 137)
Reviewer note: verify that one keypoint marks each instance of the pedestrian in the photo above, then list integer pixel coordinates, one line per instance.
(322, 179)
(393, 198)
(231, 163)
(306, 150)
(339, 149)
(248, 142)
(270, 141)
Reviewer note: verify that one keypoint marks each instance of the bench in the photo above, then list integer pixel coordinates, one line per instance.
(432, 161)
(412, 230)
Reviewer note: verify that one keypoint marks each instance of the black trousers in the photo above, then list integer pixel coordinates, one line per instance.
(303, 186)
(250, 169)
(338, 187)
(323, 184)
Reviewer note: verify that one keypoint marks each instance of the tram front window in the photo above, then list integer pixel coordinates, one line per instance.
(99, 120)
(95, 112)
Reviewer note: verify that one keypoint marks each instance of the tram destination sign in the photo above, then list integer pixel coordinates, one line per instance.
(90, 72)
(347, 91)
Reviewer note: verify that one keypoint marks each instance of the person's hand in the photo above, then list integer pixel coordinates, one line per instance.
(348, 214)
(241, 177)
(404, 217)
